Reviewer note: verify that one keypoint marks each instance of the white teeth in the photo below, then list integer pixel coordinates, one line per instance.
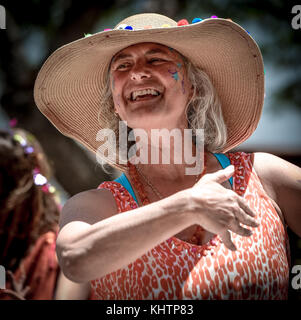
(138, 93)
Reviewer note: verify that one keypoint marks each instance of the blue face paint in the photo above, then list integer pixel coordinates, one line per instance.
(174, 74)
(179, 65)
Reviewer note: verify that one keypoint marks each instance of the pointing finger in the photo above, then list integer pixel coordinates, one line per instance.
(222, 175)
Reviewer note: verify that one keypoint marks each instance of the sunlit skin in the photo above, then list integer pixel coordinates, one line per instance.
(150, 65)
(158, 67)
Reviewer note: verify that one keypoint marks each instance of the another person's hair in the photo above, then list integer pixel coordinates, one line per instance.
(26, 211)
(203, 111)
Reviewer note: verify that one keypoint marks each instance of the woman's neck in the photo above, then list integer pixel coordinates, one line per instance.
(165, 159)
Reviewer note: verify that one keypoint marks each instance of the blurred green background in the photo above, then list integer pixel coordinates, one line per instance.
(34, 29)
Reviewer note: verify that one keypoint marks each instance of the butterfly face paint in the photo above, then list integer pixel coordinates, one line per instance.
(174, 74)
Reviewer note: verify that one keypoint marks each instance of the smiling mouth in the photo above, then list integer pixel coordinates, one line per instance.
(141, 95)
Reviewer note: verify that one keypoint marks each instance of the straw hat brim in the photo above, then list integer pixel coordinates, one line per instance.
(69, 85)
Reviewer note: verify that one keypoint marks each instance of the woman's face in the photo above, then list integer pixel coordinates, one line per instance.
(150, 87)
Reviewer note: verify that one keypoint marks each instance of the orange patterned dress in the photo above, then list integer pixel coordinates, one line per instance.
(175, 269)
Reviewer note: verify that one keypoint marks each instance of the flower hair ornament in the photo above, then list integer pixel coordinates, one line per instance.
(26, 141)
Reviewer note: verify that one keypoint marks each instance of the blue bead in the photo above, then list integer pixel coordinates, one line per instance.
(128, 28)
(195, 20)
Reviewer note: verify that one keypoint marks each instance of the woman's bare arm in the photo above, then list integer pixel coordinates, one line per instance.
(282, 181)
(69, 290)
(94, 241)
(98, 241)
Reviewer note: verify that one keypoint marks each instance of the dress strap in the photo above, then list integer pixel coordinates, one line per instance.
(123, 180)
(224, 161)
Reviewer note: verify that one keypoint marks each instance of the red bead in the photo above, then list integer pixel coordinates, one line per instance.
(45, 188)
(237, 181)
(213, 242)
(183, 22)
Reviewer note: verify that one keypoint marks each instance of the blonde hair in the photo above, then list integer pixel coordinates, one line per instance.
(203, 111)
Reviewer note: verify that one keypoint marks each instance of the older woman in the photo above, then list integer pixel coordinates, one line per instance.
(217, 233)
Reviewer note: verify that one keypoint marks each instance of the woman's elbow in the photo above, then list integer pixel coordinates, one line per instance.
(71, 262)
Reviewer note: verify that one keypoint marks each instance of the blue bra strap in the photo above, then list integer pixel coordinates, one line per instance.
(224, 161)
(123, 180)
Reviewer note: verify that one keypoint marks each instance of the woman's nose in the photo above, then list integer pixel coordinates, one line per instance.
(139, 72)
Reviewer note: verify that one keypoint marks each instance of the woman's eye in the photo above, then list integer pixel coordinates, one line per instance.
(156, 60)
(123, 66)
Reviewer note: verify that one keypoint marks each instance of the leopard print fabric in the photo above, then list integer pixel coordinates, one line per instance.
(175, 269)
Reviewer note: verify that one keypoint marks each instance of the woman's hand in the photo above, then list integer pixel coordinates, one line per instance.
(218, 209)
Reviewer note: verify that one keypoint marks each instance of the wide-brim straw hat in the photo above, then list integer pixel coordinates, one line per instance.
(70, 84)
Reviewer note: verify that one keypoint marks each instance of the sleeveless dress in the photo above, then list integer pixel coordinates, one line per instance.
(175, 269)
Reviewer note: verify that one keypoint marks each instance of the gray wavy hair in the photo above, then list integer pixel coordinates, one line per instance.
(203, 111)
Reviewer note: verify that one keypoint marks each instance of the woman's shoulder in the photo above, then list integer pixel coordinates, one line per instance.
(276, 173)
(269, 167)
(273, 172)
(89, 206)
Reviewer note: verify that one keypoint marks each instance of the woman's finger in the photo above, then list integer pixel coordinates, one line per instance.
(221, 175)
(237, 228)
(245, 207)
(226, 238)
(246, 219)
